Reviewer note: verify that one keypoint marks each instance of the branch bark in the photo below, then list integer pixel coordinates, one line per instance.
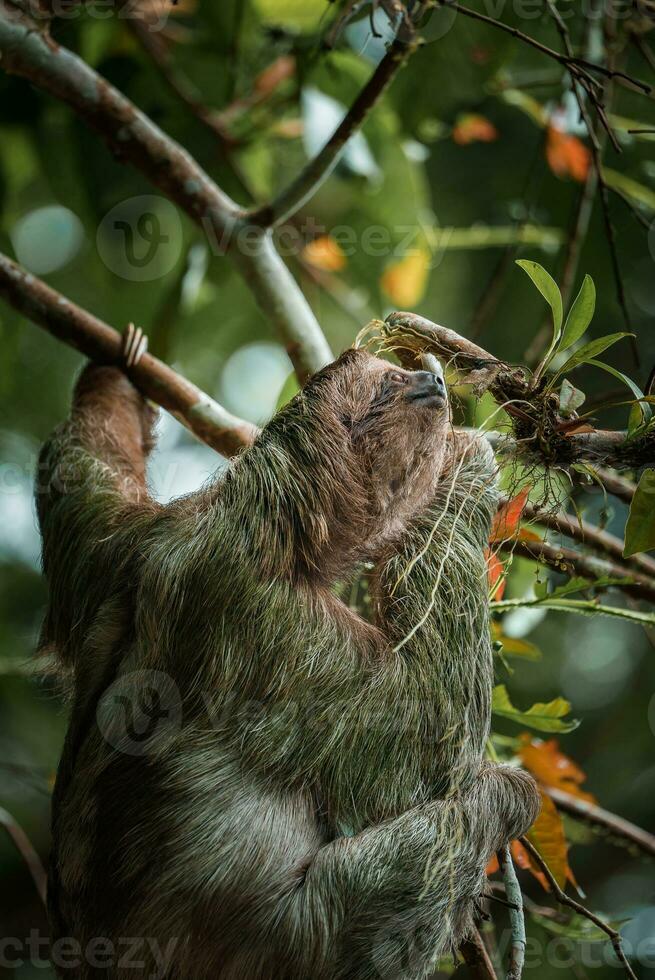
(610, 822)
(539, 431)
(477, 958)
(63, 319)
(574, 563)
(300, 190)
(591, 536)
(133, 137)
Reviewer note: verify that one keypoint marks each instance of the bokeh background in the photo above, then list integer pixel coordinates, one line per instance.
(473, 158)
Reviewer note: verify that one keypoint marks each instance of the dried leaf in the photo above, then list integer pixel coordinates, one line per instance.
(550, 766)
(506, 521)
(547, 835)
(277, 72)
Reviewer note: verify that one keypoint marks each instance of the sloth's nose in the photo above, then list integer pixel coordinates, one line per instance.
(424, 385)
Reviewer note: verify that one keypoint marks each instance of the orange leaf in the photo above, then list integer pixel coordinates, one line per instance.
(506, 522)
(525, 534)
(547, 835)
(325, 253)
(472, 128)
(567, 156)
(496, 573)
(277, 72)
(405, 281)
(551, 767)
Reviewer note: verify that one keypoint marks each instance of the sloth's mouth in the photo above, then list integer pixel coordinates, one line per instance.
(427, 399)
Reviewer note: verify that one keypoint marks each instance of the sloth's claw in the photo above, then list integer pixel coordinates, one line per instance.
(135, 344)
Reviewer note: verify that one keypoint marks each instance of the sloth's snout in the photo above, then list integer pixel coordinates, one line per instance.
(427, 388)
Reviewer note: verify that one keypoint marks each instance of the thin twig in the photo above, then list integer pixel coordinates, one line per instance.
(592, 813)
(477, 958)
(589, 535)
(568, 62)
(27, 852)
(305, 185)
(75, 326)
(516, 914)
(564, 899)
(574, 563)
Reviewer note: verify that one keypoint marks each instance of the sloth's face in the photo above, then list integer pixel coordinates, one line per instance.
(380, 400)
(398, 423)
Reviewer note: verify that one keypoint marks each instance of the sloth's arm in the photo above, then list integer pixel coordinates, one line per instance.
(92, 500)
(383, 903)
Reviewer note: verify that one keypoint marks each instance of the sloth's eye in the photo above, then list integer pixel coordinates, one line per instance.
(397, 378)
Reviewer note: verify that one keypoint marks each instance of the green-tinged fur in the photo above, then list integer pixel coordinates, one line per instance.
(316, 804)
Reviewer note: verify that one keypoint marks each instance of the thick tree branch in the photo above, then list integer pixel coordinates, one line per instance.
(133, 137)
(564, 899)
(68, 322)
(541, 433)
(614, 825)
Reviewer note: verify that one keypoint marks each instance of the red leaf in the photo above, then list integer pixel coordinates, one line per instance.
(506, 522)
(496, 573)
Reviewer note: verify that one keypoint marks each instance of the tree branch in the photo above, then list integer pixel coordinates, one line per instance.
(477, 958)
(133, 137)
(572, 63)
(540, 430)
(516, 914)
(591, 536)
(564, 899)
(574, 563)
(63, 319)
(596, 815)
(305, 185)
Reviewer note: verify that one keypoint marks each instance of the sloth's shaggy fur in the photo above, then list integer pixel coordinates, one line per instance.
(318, 806)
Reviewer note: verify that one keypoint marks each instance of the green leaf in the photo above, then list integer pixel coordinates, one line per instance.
(632, 385)
(589, 351)
(570, 398)
(542, 716)
(578, 929)
(548, 289)
(640, 529)
(583, 607)
(580, 314)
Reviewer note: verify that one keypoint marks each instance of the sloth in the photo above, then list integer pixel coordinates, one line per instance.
(256, 781)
